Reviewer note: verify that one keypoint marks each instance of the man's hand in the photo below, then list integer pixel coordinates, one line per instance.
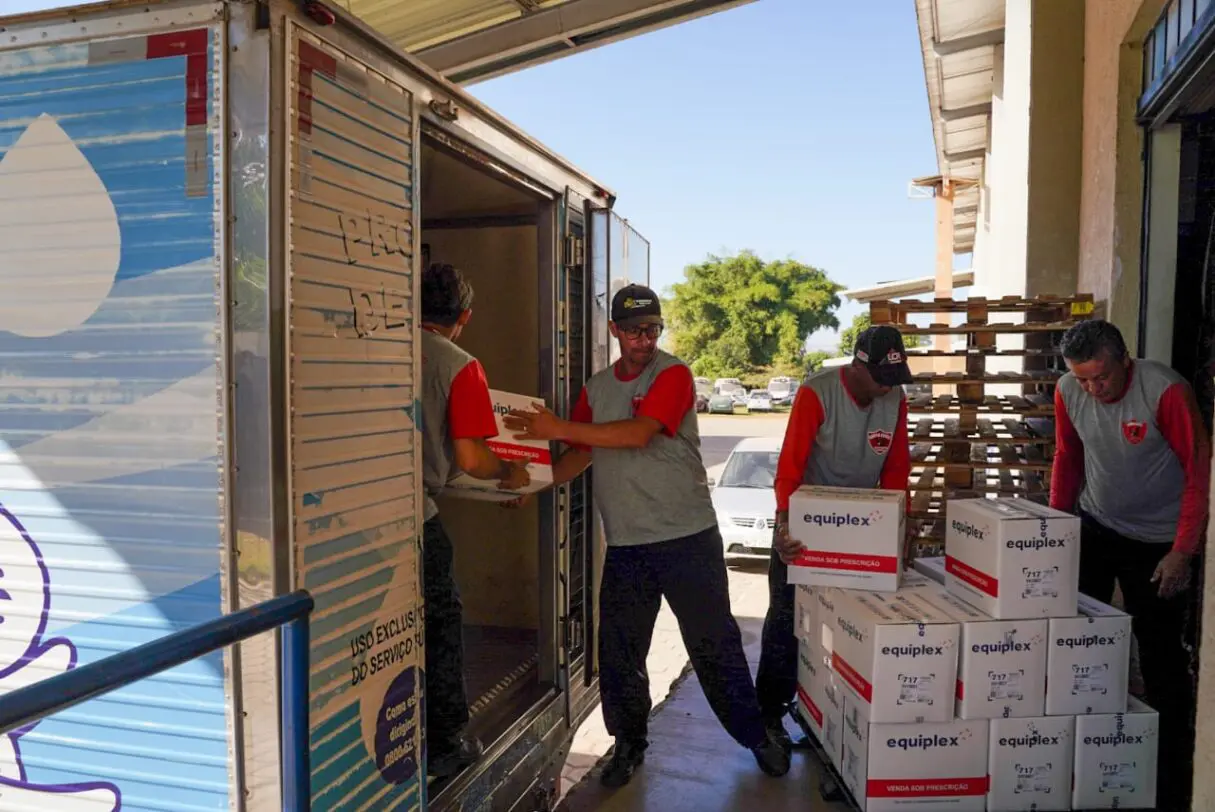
(787, 547)
(517, 502)
(538, 424)
(517, 478)
(1173, 574)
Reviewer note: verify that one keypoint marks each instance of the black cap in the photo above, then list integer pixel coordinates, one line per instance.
(882, 352)
(634, 305)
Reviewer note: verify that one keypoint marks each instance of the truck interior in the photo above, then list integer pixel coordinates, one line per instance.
(493, 231)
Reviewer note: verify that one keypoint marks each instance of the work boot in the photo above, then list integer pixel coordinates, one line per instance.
(775, 726)
(451, 760)
(627, 756)
(772, 757)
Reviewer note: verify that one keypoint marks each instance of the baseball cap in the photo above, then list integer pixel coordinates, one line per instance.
(634, 305)
(882, 352)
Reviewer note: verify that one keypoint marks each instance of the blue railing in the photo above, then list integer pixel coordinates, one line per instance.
(29, 704)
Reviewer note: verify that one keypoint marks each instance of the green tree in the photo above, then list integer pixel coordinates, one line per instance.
(860, 323)
(735, 314)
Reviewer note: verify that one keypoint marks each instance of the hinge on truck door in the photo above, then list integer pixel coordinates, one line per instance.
(573, 251)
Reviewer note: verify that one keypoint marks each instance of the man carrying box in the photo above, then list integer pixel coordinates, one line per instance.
(457, 419)
(847, 429)
(637, 422)
(1132, 457)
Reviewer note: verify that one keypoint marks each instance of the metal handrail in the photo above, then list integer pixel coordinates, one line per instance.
(45, 697)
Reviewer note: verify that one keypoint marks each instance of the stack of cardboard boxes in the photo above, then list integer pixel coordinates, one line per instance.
(982, 680)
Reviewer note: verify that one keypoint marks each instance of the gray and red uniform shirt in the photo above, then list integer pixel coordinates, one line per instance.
(455, 406)
(1140, 465)
(660, 492)
(832, 441)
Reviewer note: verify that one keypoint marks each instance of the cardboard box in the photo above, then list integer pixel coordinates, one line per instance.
(805, 615)
(1001, 663)
(900, 657)
(1116, 755)
(853, 537)
(1030, 764)
(1089, 661)
(810, 660)
(538, 454)
(824, 616)
(828, 693)
(1012, 558)
(911, 766)
(933, 568)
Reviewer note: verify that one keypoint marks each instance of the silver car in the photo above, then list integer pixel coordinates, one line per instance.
(744, 499)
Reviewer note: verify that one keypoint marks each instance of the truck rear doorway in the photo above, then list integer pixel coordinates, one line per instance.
(496, 232)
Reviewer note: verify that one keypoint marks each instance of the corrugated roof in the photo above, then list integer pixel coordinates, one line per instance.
(417, 24)
(959, 39)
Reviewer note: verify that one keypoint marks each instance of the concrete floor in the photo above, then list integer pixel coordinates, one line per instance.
(693, 766)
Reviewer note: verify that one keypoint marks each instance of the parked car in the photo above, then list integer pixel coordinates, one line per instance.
(702, 402)
(782, 390)
(721, 404)
(744, 499)
(759, 401)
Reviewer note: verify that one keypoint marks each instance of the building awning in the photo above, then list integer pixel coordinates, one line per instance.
(472, 40)
(959, 40)
(907, 287)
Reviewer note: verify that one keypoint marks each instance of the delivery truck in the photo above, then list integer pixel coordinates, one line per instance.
(213, 216)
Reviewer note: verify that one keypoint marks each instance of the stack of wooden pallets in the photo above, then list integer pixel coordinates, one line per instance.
(967, 441)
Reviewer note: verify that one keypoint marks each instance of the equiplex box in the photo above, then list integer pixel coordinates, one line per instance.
(806, 625)
(1012, 558)
(810, 660)
(1116, 759)
(902, 660)
(828, 693)
(537, 453)
(1001, 663)
(1089, 661)
(853, 537)
(1030, 764)
(935, 765)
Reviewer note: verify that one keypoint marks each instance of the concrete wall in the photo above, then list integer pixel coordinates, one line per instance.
(1111, 197)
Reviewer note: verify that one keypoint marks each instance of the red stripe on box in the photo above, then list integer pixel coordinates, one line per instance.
(980, 581)
(959, 689)
(815, 713)
(850, 676)
(179, 43)
(926, 787)
(852, 562)
(509, 451)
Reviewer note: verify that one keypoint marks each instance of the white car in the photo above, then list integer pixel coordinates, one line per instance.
(744, 499)
(759, 401)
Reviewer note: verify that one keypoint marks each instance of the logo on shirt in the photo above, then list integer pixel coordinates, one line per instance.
(637, 400)
(880, 441)
(1134, 431)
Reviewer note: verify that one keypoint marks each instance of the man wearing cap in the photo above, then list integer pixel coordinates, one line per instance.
(636, 421)
(1132, 458)
(847, 429)
(457, 419)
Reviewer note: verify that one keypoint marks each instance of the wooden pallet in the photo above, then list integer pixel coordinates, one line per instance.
(892, 311)
(1035, 405)
(1005, 431)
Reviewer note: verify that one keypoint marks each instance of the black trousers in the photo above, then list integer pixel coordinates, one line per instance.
(691, 573)
(776, 681)
(1159, 625)
(446, 694)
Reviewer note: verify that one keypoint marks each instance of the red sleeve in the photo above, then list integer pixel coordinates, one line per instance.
(804, 420)
(1067, 473)
(1177, 416)
(581, 413)
(669, 398)
(896, 472)
(470, 413)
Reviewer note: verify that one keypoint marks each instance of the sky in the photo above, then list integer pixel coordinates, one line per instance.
(787, 127)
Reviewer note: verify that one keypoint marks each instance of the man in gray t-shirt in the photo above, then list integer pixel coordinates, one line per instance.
(457, 419)
(636, 421)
